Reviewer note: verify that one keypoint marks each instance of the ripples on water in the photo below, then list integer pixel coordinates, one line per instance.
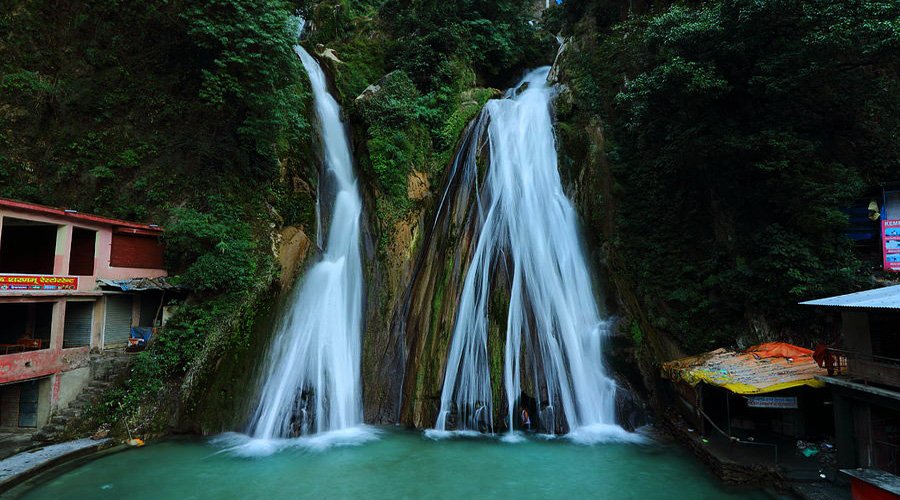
(242, 445)
(381, 462)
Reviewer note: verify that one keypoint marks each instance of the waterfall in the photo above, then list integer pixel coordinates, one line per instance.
(312, 377)
(529, 229)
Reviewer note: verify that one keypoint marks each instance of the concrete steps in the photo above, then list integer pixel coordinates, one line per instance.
(106, 369)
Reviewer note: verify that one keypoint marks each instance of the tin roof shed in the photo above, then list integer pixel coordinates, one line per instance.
(878, 298)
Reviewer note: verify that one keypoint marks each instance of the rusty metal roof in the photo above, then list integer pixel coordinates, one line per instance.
(140, 284)
(762, 369)
(878, 298)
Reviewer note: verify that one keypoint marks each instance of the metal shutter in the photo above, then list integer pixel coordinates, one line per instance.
(118, 320)
(79, 319)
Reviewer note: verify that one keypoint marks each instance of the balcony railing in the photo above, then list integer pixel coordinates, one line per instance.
(871, 368)
(886, 455)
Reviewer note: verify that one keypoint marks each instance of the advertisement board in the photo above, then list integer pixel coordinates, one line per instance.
(36, 283)
(890, 238)
(890, 231)
(772, 402)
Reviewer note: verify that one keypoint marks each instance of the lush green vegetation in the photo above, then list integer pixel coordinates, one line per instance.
(188, 114)
(722, 138)
(193, 115)
(433, 64)
(736, 131)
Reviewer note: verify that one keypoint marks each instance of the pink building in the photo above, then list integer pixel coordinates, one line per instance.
(70, 284)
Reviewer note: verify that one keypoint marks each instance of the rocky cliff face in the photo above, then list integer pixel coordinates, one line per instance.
(417, 248)
(417, 264)
(424, 314)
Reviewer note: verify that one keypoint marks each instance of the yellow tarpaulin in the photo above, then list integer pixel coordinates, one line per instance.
(761, 369)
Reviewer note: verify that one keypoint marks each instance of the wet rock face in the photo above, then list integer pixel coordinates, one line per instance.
(417, 186)
(327, 53)
(422, 321)
(630, 411)
(293, 248)
(369, 91)
(412, 285)
(303, 414)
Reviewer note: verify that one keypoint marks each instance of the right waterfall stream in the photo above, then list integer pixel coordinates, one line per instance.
(554, 330)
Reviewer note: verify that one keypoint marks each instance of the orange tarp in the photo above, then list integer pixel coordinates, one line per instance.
(779, 350)
(760, 369)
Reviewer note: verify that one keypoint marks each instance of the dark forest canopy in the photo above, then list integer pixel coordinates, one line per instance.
(737, 131)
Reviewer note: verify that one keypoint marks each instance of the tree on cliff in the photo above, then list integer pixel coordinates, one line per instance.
(738, 130)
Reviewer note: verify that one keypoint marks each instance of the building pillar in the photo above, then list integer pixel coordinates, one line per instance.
(63, 245)
(99, 325)
(97, 257)
(862, 420)
(57, 324)
(844, 431)
(48, 398)
(136, 309)
(700, 416)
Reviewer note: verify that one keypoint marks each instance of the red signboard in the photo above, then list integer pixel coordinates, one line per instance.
(890, 237)
(36, 283)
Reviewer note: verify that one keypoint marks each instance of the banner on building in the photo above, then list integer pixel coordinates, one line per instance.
(890, 238)
(36, 283)
(772, 402)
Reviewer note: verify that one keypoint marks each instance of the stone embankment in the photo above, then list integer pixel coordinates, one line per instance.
(26, 465)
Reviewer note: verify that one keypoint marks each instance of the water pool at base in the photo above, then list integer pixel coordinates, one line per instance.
(399, 464)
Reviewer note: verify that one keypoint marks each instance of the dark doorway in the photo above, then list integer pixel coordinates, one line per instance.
(81, 259)
(19, 404)
(27, 247)
(26, 326)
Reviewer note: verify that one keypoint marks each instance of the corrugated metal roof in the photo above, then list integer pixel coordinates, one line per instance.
(879, 298)
(140, 284)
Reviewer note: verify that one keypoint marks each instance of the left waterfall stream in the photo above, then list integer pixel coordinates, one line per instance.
(311, 388)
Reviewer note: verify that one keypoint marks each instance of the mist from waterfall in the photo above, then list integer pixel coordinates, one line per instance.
(311, 380)
(554, 330)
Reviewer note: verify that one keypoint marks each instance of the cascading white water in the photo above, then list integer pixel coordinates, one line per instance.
(313, 365)
(527, 221)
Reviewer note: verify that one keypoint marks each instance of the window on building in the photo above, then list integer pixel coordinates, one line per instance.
(79, 324)
(81, 258)
(25, 326)
(27, 247)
